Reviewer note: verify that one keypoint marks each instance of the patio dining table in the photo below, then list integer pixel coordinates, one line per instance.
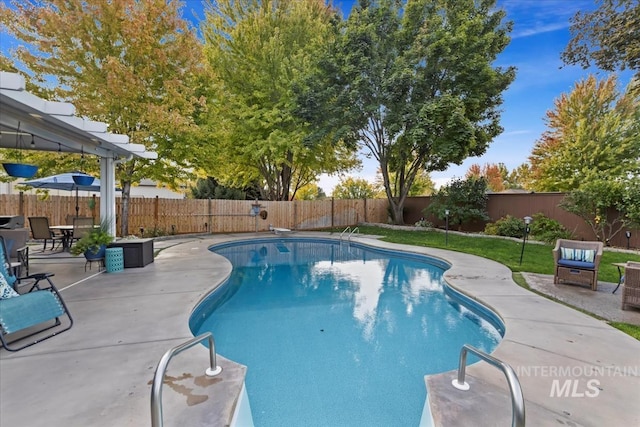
(67, 233)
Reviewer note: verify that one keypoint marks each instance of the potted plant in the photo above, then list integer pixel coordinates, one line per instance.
(17, 168)
(94, 243)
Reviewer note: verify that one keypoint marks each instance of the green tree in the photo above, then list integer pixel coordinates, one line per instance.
(422, 185)
(353, 188)
(6, 64)
(519, 177)
(607, 206)
(631, 201)
(210, 188)
(259, 49)
(466, 200)
(135, 65)
(608, 37)
(414, 83)
(594, 133)
(311, 191)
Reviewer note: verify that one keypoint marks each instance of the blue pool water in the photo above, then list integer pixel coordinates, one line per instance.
(337, 334)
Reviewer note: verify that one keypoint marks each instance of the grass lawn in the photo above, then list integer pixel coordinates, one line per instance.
(537, 258)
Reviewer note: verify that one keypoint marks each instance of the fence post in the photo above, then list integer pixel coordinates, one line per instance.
(295, 214)
(332, 210)
(365, 210)
(156, 204)
(209, 226)
(93, 207)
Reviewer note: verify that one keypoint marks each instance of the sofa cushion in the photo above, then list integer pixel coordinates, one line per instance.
(577, 264)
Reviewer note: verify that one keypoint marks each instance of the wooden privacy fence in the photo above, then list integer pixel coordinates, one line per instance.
(182, 216)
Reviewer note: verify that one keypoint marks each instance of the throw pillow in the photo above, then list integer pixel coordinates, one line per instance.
(5, 267)
(589, 255)
(567, 253)
(6, 291)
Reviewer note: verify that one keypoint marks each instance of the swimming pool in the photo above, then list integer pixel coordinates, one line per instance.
(336, 333)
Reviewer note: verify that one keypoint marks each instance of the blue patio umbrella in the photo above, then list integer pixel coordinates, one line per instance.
(64, 181)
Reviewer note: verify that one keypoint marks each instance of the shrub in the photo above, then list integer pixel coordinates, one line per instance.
(466, 201)
(507, 226)
(152, 232)
(491, 229)
(548, 230)
(424, 223)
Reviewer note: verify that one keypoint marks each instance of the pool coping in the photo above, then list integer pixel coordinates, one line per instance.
(98, 373)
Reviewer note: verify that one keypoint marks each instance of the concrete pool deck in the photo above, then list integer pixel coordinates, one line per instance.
(99, 373)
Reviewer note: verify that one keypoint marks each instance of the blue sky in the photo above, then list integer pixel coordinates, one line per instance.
(540, 34)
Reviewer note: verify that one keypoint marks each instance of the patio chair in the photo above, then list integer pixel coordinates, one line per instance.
(16, 245)
(28, 314)
(81, 227)
(631, 290)
(40, 230)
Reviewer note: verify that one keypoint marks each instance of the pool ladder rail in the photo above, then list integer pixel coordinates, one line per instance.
(351, 232)
(517, 398)
(158, 377)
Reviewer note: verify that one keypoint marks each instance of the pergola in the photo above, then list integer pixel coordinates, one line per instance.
(53, 126)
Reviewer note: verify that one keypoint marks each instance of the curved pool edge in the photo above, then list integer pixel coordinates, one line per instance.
(538, 332)
(436, 257)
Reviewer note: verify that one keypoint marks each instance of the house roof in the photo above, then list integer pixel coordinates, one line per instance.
(53, 126)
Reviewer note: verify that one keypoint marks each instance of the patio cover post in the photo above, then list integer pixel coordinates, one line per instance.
(108, 192)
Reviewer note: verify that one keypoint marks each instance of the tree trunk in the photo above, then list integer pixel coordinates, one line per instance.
(397, 212)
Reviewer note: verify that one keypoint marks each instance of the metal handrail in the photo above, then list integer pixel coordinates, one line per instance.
(355, 230)
(517, 399)
(156, 389)
(344, 231)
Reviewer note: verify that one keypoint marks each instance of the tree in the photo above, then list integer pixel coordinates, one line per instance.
(259, 49)
(414, 83)
(422, 185)
(311, 191)
(593, 135)
(495, 174)
(607, 206)
(631, 201)
(135, 65)
(466, 201)
(210, 188)
(608, 37)
(520, 177)
(353, 188)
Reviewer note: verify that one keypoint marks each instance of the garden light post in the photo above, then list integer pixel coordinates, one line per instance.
(527, 221)
(628, 234)
(446, 227)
